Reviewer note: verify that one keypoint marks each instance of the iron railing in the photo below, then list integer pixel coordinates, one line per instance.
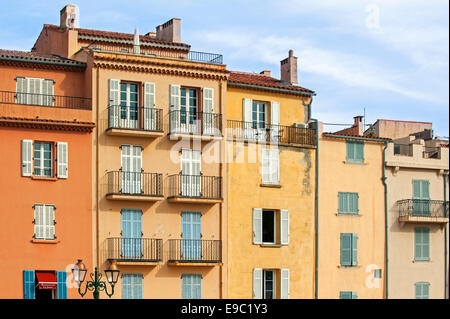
(184, 122)
(70, 102)
(134, 183)
(135, 118)
(423, 208)
(205, 57)
(281, 134)
(195, 250)
(134, 249)
(195, 186)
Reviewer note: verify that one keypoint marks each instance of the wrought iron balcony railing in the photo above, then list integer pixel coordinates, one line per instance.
(423, 208)
(135, 118)
(267, 133)
(195, 251)
(134, 183)
(70, 102)
(184, 122)
(134, 249)
(195, 186)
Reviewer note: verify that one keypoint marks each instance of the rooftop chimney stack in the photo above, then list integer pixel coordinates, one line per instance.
(289, 69)
(265, 72)
(136, 43)
(358, 124)
(69, 17)
(169, 31)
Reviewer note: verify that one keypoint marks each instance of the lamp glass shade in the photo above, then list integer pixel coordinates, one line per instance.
(112, 276)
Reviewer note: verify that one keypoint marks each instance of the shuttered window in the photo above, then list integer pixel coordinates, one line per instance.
(348, 295)
(421, 243)
(191, 286)
(265, 226)
(266, 285)
(38, 158)
(349, 249)
(132, 286)
(355, 151)
(44, 222)
(348, 203)
(43, 159)
(421, 198)
(270, 166)
(422, 290)
(34, 91)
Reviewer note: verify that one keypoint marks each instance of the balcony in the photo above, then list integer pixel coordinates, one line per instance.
(136, 122)
(195, 252)
(423, 211)
(136, 186)
(197, 189)
(206, 126)
(134, 251)
(57, 101)
(275, 134)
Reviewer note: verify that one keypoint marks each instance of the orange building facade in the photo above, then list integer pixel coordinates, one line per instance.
(45, 140)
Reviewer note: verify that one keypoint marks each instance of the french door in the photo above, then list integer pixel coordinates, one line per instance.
(129, 105)
(259, 120)
(131, 169)
(191, 228)
(189, 110)
(190, 173)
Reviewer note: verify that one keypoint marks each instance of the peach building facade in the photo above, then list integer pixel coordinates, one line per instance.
(45, 137)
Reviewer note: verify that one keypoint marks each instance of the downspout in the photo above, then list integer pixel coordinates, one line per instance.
(445, 238)
(316, 213)
(97, 169)
(386, 220)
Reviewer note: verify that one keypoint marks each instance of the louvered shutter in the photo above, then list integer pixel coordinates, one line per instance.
(114, 103)
(61, 287)
(257, 283)
(27, 157)
(47, 92)
(265, 165)
(345, 295)
(359, 151)
(284, 288)
(49, 222)
(284, 221)
(208, 111)
(21, 90)
(126, 286)
(275, 166)
(346, 249)
(248, 132)
(354, 249)
(257, 225)
(28, 284)
(354, 295)
(149, 106)
(175, 102)
(274, 121)
(38, 221)
(62, 159)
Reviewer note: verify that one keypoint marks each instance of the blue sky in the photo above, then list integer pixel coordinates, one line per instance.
(390, 57)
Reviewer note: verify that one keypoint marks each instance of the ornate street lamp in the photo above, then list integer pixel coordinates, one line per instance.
(95, 285)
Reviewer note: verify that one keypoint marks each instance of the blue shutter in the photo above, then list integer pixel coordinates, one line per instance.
(341, 202)
(354, 249)
(191, 286)
(186, 287)
(354, 295)
(28, 284)
(131, 221)
(346, 249)
(359, 151)
(422, 290)
(126, 286)
(345, 295)
(421, 243)
(355, 151)
(61, 289)
(191, 228)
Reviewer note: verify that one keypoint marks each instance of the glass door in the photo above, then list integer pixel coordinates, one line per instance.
(129, 109)
(189, 111)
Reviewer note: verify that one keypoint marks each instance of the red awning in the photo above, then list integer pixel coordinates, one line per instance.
(46, 279)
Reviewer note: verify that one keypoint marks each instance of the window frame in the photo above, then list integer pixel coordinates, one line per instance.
(276, 234)
(45, 224)
(42, 158)
(274, 283)
(190, 112)
(256, 122)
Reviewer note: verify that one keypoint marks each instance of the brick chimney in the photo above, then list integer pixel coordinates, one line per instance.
(265, 72)
(289, 69)
(69, 17)
(358, 125)
(169, 31)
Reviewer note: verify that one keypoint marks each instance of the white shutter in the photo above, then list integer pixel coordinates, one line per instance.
(114, 102)
(38, 222)
(284, 284)
(257, 283)
(284, 222)
(274, 121)
(274, 166)
(62, 159)
(257, 225)
(265, 165)
(175, 102)
(149, 106)
(248, 132)
(21, 88)
(47, 91)
(27, 157)
(208, 110)
(49, 220)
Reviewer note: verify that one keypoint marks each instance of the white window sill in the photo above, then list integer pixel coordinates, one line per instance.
(355, 163)
(348, 215)
(45, 241)
(271, 245)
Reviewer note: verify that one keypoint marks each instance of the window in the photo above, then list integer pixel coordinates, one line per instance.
(38, 158)
(188, 106)
(131, 162)
(421, 198)
(271, 283)
(270, 166)
(421, 243)
(270, 226)
(348, 203)
(34, 91)
(129, 105)
(348, 295)
(355, 151)
(349, 249)
(422, 290)
(191, 167)
(377, 273)
(44, 284)
(191, 286)
(259, 114)
(44, 222)
(132, 286)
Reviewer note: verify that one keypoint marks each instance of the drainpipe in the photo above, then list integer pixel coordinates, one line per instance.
(445, 238)
(386, 219)
(316, 224)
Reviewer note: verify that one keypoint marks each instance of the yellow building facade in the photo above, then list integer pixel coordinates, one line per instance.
(270, 156)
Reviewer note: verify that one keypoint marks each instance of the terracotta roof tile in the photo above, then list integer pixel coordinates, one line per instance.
(350, 135)
(118, 36)
(38, 57)
(264, 80)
